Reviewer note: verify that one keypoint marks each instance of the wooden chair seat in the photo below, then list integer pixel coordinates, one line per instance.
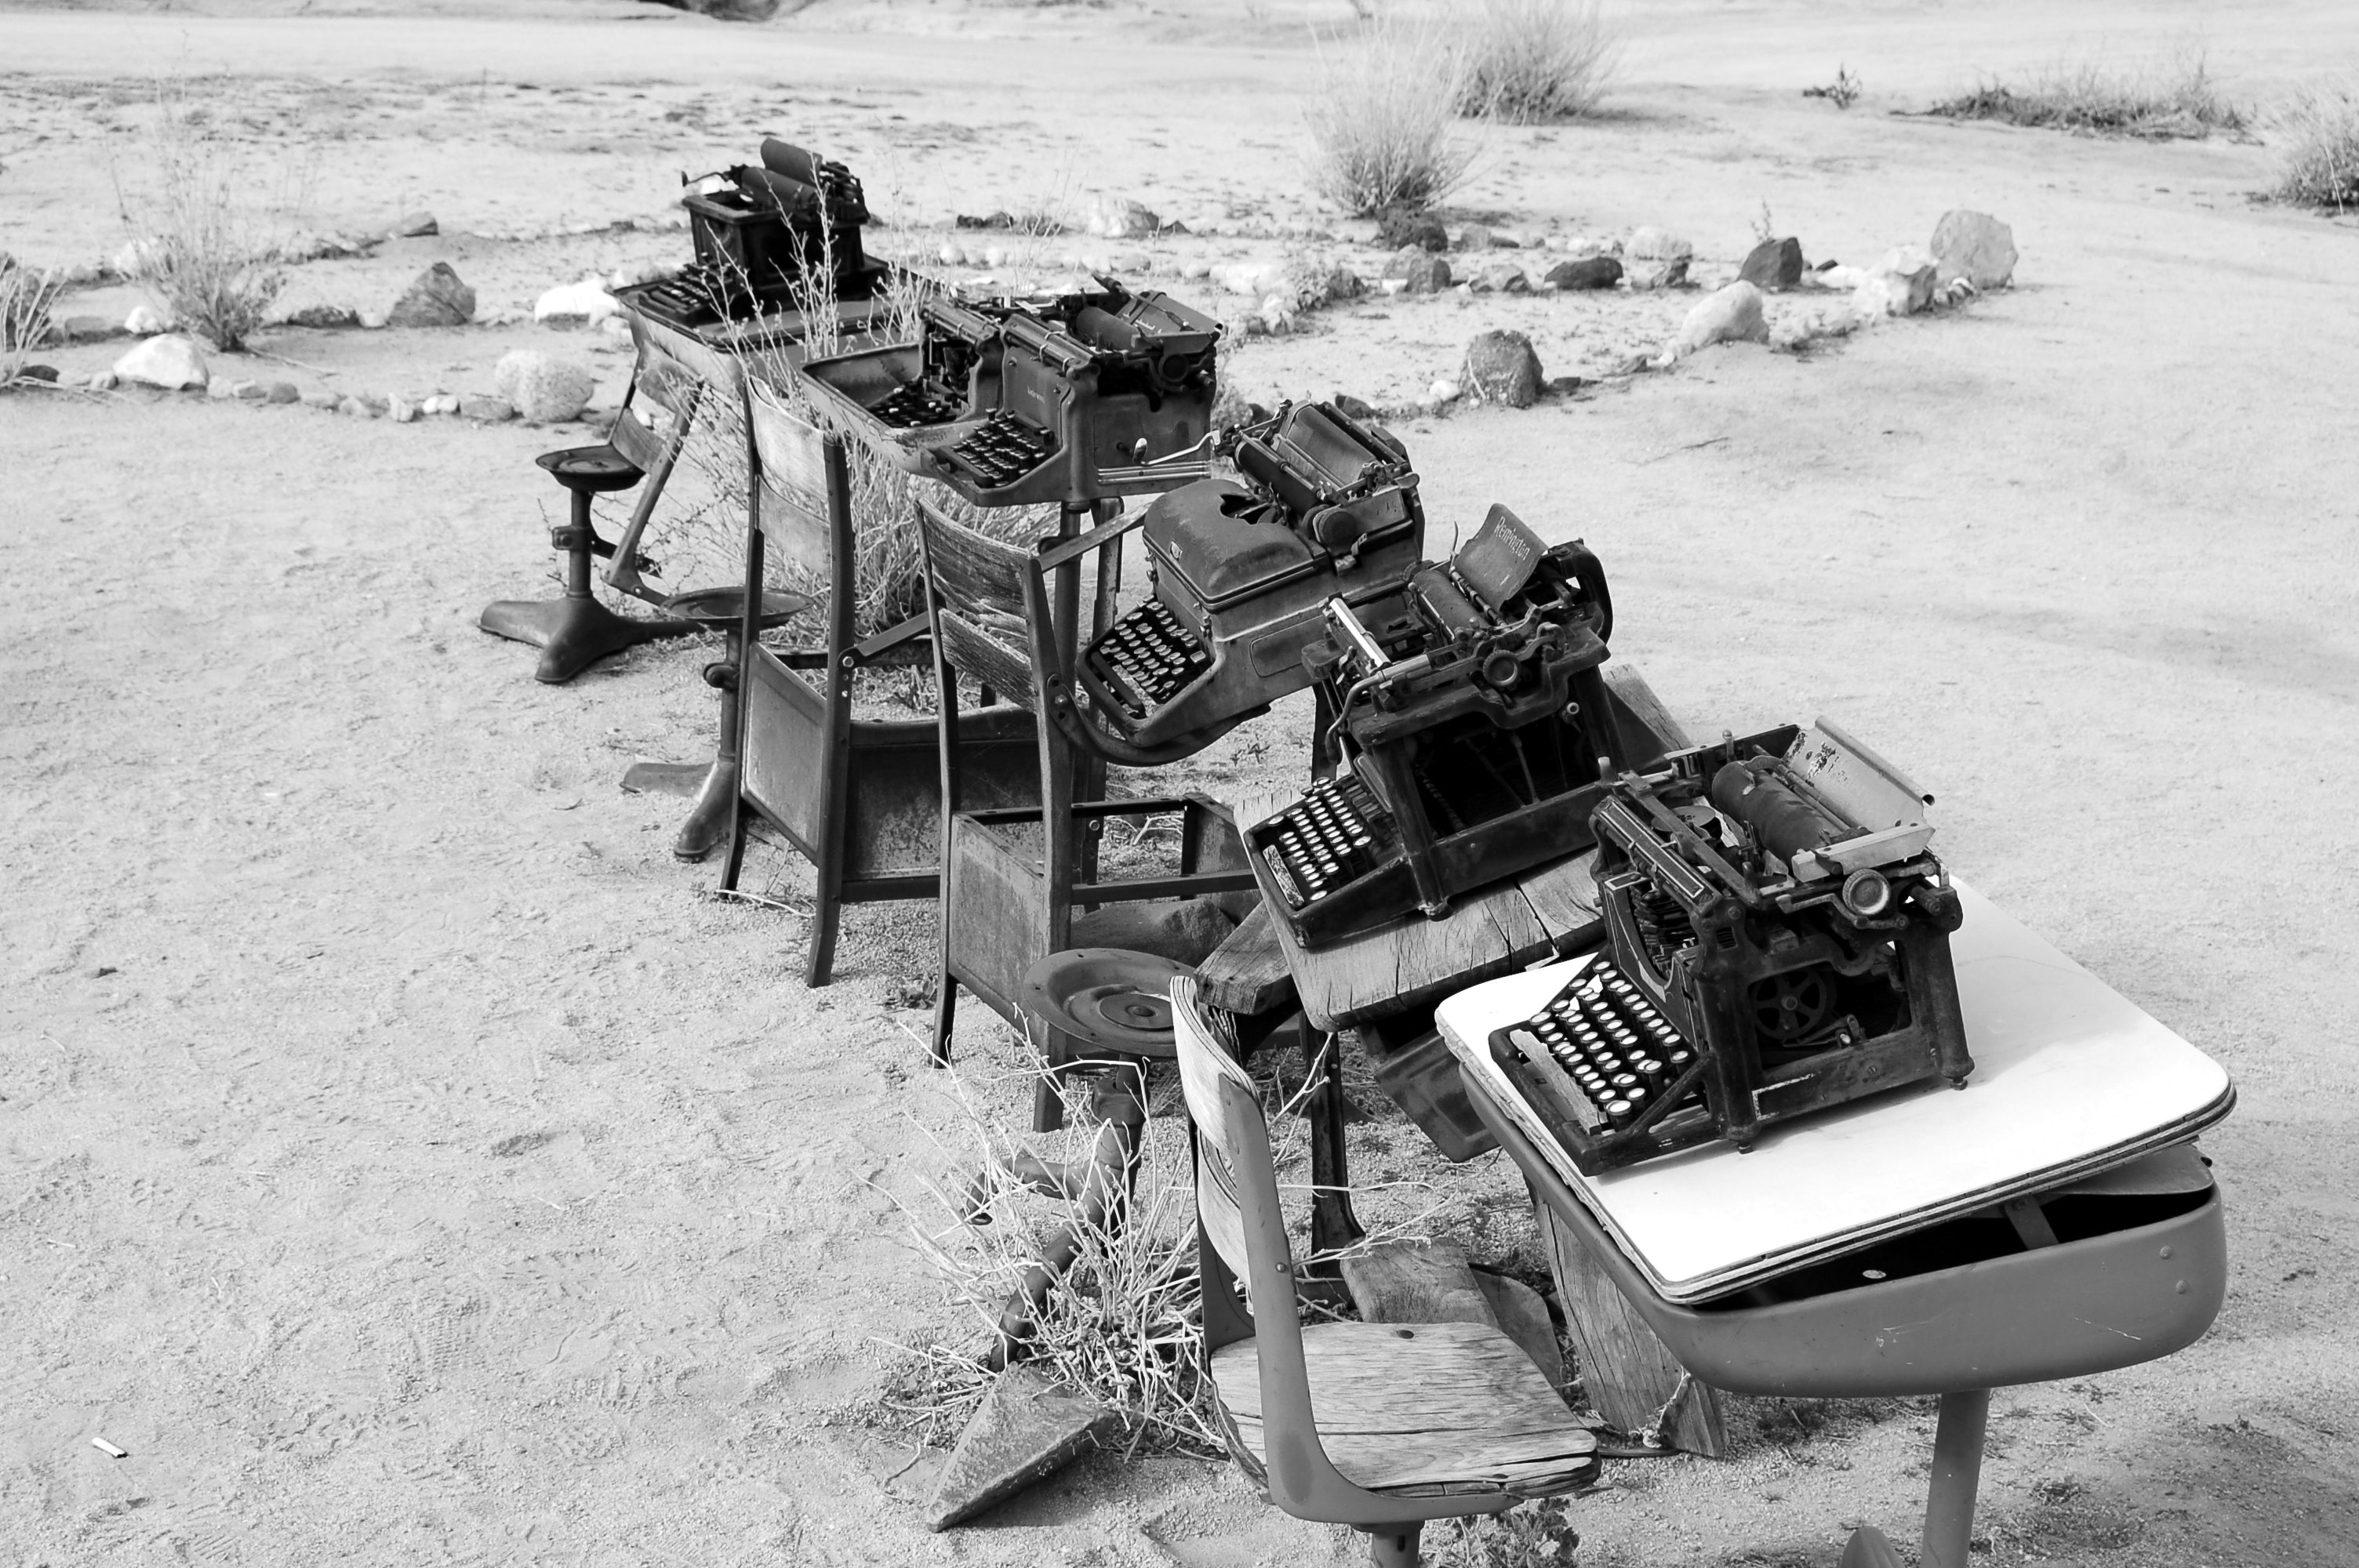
(1422, 1409)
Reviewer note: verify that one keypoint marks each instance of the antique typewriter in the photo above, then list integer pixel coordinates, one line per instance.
(1242, 570)
(1777, 943)
(1068, 399)
(760, 235)
(1479, 730)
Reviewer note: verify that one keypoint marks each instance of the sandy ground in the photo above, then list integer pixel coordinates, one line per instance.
(406, 1162)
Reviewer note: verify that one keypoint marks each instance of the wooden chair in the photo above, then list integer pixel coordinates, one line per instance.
(1006, 905)
(1377, 1425)
(575, 631)
(859, 797)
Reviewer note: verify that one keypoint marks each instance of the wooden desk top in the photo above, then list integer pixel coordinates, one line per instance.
(2070, 1078)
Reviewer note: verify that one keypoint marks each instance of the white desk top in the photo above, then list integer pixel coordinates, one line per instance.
(2070, 1077)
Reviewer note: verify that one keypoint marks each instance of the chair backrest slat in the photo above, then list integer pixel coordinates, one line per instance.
(976, 574)
(794, 462)
(1231, 1139)
(641, 447)
(972, 651)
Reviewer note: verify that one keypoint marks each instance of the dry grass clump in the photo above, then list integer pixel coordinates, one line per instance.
(2320, 165)
(2094, 100)
(1382, 117)
(26, 297)
(207, 224)
(1529, 62)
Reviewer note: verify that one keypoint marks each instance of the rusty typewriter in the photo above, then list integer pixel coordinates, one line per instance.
(1777, 943)
(764, 234)
(1478, 728)
(1242, 568)
(1068, 399)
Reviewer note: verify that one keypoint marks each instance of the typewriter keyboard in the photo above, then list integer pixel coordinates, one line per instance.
(907, 407)
(1612, 1042)
(698, 297)
(1331, 838)
(1146, 658)
(1002, 451)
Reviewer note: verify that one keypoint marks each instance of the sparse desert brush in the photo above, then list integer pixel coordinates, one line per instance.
(2320, 165)
(1384, 119)
(26, 297)
(1527, 61)
(2178, 101)
(207, 222)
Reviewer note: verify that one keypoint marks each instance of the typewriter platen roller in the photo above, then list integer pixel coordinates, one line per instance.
(1478, 727)
(1242, 569)
(1771, 904)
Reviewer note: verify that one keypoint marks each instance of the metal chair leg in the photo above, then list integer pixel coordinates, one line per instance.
(576, 630)
(1394, 1546)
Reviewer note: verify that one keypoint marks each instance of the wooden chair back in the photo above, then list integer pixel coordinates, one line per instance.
(975, 588)
(683, 377)
(799, 492)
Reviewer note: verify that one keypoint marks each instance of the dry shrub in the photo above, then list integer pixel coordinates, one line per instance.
(1527, 61)
(207, 222)
(25, 298)
(2177, 100)
(2320, 165)
(1126, 1321)
(1382, 117)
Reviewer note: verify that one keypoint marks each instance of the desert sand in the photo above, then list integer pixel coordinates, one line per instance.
(406, 1160)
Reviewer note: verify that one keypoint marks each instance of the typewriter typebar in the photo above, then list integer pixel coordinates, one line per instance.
(771, 226)
(1242, 569)
(1770, 901)
(1477, 724)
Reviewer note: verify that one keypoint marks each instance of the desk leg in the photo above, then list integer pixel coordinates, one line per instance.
(1957, 1475)
(1334, 1225)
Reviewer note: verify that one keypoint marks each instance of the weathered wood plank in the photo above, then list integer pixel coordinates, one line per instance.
(1524, 1318)
(1627, 1369)
(1639, 702)
(1247, 973)
(1417, 1281)
(1451, 1403)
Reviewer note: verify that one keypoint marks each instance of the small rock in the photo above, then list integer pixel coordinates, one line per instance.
(1653, 259)
(81, 330)
(1419, 272)
(1474, 237)
(1901, 284)
(357, 408)
(413, 226)
(1352, 407)
(441, 403)
(322, 397)
(1773, 263)
(219, 386)
(1195, 269)
(1252, 279)
(1728, 315)
(1502, 367)
(372, 321)
(325, 318)
(102, 381)
(1563, 386)
(1442, 392)
(133, 259)
(1975, 247)
(588, 301)
(1277, 314)
(1119, 218)
(1421, 231)
(1026, 1427)
(489, 410)
(1589, 271)
(249, 391)
(402, 411)
(542, 387)
(283, 392)
(170, 362)
(436, 297)
(38, 373)
(1505, 278)
(147, 321)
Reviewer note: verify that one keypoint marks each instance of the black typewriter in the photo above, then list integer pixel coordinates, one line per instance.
(1242, 570)
(758, 238)
(1777, 943)
(1478, 725)
(1068, 399)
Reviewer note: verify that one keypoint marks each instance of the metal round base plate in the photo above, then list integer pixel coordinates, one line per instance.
(1107, 999)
